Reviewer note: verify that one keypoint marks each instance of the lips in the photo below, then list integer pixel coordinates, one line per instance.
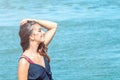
(42, 36)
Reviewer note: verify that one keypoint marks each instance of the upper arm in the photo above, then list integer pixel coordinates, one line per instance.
(23, 69)
(49, 35)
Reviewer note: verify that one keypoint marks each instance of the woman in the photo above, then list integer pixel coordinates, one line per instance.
(34, 61)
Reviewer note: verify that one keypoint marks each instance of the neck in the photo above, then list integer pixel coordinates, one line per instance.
(33, 48)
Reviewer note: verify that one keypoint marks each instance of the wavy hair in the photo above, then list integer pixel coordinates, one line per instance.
(24, 33)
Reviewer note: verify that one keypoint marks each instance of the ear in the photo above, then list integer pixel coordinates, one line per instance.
(32, 37)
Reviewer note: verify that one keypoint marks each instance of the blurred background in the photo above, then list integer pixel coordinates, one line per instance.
(86, 45)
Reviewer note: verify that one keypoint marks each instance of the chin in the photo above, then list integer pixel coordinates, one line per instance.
(42, 40)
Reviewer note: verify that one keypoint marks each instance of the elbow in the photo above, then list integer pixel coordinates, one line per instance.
(56, 25)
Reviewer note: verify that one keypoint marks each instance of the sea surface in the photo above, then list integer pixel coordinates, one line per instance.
(86, 45)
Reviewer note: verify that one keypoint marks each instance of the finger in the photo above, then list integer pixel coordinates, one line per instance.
(23, 21)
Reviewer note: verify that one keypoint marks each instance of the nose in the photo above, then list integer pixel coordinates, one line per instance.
(43, 33)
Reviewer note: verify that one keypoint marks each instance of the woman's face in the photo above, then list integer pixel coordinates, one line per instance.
(38, 33)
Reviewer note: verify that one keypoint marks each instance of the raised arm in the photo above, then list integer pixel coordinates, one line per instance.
(51, 29)
(49, 25)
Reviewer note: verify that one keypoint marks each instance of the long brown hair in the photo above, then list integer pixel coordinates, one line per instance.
(24, 33)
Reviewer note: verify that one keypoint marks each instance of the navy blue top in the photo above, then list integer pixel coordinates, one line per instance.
(38, 72)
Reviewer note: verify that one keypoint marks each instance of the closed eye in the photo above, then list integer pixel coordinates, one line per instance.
(39, 29)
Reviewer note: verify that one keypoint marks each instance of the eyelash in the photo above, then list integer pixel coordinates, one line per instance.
(39, 30)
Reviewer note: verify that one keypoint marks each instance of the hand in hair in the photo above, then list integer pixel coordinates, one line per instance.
(22, 22)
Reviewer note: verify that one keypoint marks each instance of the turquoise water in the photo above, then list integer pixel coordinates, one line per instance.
(85, 47)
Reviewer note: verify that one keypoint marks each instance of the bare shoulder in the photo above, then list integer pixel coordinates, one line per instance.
(23, 66)
(23, 62)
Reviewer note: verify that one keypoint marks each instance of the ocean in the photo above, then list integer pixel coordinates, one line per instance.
(86, 45)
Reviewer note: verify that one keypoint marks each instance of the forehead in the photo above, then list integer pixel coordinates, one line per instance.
(36, 27)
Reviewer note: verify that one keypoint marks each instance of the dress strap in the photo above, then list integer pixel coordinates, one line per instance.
(27, 58)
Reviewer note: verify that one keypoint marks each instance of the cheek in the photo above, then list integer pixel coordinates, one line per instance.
(39, 34)
(36, 34)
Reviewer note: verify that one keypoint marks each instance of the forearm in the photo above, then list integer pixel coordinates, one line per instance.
(47, 24)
